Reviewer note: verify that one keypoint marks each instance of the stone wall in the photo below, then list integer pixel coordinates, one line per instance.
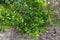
(52, 34)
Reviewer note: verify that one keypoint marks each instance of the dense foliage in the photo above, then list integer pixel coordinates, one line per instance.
(27, 16)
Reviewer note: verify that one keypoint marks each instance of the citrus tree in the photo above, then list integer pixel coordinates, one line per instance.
(26, 16)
